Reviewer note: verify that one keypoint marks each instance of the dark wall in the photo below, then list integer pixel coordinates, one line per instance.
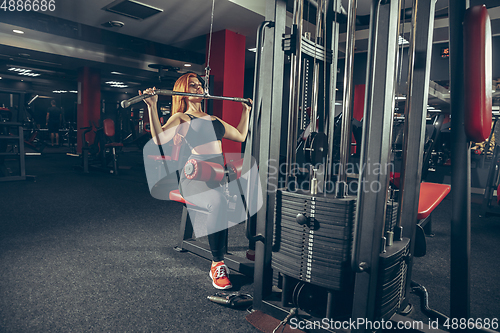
(495, 50)
(440, 68)
(248, 84)
(359, 70)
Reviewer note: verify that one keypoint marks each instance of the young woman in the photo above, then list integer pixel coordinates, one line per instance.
(203, 134)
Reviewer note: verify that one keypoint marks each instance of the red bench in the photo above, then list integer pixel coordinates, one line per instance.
(431, 195)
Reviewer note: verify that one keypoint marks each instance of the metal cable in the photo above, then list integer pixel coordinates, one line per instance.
(207, 69)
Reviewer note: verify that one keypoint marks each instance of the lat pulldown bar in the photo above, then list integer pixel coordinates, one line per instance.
(137, 99)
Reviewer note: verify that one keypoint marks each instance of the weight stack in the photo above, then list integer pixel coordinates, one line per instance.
(313, 236)
(391, 281)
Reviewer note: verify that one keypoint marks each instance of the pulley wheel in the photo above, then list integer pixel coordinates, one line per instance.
(310, 298)
(316, 148)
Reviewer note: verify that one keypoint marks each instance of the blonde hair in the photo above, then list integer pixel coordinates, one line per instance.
(181, 85)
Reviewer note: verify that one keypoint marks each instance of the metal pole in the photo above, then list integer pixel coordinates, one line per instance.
(460, 170)
(252, 146)
(345, 141)
(294, 90)
(314, 108)
(271, 81)
(333, 81)
(419, 56)
(375, 150)
(254, 123)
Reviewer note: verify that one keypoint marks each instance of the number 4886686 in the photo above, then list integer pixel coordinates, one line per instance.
(28, 5)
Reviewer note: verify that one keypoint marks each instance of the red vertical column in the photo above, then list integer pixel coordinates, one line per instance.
(89, 100)
(227, 63)
(358, 107)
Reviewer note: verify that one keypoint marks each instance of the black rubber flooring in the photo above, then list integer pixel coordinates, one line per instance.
(94, 253)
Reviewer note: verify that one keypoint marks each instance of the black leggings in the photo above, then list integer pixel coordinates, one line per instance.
(210, 196)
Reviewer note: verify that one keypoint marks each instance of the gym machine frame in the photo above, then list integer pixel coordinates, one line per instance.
(376, 145)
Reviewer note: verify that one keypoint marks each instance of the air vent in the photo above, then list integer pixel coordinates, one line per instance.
(133, 9)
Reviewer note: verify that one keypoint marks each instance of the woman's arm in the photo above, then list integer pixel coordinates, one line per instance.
(161, 135)
(238, 134)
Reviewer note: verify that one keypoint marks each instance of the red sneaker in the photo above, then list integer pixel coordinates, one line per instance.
(219, 275)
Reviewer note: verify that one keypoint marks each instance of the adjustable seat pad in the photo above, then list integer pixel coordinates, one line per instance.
(212, 172)
(235, 167)
(203, 170)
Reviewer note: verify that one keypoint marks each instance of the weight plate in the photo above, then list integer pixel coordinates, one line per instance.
(316, 148)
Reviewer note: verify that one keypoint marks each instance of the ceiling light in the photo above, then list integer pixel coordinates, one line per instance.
(24, 71)
(187, 65)
(253, 50)
(113, 24)
(29, 74)
(18, 31)
(117, 73)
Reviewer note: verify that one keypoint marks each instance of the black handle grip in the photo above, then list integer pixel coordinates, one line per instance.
(126, 103)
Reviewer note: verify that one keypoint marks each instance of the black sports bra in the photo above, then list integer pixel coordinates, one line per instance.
(201, 132)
